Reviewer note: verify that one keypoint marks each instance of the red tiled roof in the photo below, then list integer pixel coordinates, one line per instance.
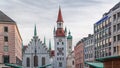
(60, 32)
(52, 53)
(60, 19)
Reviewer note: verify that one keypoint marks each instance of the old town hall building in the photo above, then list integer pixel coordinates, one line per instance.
(36, 53)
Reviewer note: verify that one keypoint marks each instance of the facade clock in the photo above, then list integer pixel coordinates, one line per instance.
(60, 40)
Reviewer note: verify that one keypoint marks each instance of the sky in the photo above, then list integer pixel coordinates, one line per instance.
(78, 15)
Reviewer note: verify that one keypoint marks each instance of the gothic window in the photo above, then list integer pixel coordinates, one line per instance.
(28, 62)
(62, 43)
(57, 43)
(62, 48)
(35, 61)
(60, 64)
(43, 61)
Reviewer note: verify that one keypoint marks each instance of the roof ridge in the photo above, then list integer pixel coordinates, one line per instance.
(5, 18)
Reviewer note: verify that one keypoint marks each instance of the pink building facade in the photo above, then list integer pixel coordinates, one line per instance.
(10, 41)
(79, 55)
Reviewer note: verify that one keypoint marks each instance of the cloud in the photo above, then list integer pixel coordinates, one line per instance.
(79, 16)
(80, 3)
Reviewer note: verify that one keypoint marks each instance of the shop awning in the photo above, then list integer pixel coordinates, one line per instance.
(108, 57)
(45, 66)
(13, 65)
(95, 64)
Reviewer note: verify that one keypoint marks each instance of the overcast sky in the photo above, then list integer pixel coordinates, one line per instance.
(78, 15)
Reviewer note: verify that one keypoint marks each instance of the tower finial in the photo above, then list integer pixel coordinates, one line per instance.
(44, 40)
(49, 45)
(35, 31)
(65, 29)
(69, 35)
(60, 19)
(69, 32)
(22, 45)
(54, 29)
(59, 6)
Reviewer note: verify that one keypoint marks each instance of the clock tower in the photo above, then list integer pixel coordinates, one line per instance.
(60, 43)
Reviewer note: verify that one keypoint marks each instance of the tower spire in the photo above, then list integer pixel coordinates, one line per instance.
(69, 35)
(44, 40)
(35, 31)
(65, 29)
(54, 29)
(59, 19)
(69, 32)
(49, 45)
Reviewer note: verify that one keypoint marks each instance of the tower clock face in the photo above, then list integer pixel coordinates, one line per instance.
(60, 40)
(60, 51)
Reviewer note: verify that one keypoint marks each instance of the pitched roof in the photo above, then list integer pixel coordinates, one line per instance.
(5, 18)
(69, 35)
(60, 19)
(116, 6)
(60, 32)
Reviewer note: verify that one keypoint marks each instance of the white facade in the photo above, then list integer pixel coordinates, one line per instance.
(36, 54)
(60, 43)
(115, 29)
(71, 60)
(70, 53)
(60, 52)
(110, 32)
(89, 49)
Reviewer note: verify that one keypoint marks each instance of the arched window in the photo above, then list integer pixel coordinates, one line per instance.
(35, 61)
(28, 62)
(43, 61)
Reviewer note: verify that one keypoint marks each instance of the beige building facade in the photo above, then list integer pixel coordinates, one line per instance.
(71, 60)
